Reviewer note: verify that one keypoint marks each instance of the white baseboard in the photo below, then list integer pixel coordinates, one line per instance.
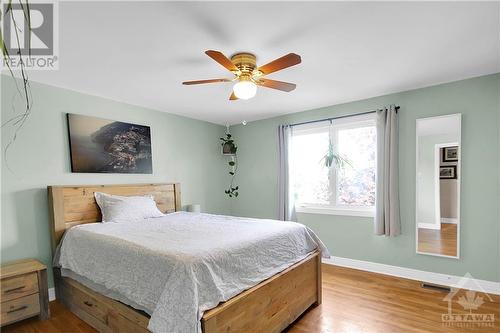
(449, 220)
(52, 294)
(433, 226)
(414, 274)
(403, 272)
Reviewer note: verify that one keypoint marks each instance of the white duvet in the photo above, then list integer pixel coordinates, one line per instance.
(178, 266)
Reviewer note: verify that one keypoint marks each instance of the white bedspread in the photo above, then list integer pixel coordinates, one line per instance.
(180, 265)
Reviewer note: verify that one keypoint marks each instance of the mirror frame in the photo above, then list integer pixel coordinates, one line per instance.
(460, 173)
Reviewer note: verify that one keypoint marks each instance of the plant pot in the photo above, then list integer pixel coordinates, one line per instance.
(228, 149)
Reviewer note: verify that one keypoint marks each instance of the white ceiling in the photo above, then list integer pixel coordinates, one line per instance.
(140, 52)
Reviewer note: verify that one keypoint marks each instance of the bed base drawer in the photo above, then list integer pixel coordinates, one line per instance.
(118, 323)
(100, 312)
(86, 303)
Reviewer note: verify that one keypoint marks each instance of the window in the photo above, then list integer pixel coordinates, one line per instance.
(347, 187)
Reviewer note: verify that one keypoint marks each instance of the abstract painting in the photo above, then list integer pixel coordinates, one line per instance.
(106, 146)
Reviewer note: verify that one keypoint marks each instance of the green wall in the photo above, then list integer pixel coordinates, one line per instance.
(187, 151)
(184, 150)
(352, 237)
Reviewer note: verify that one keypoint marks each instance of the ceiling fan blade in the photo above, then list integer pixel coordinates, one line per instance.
(289, 60)
(279, 85)
(233, 97)
(188, 83)
(222, 59)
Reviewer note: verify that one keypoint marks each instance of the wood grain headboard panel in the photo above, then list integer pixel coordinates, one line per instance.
(73, 205)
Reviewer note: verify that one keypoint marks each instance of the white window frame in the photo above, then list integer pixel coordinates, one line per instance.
(344, 210)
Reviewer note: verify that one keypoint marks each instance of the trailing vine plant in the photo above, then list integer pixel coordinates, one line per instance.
(229, 148)
(24, 91)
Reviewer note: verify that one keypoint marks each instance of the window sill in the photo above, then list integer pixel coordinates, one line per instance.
(335, 211)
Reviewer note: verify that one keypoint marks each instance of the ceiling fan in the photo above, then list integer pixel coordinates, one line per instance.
(248, 76)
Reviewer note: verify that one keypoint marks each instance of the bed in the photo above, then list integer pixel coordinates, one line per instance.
(246, 304)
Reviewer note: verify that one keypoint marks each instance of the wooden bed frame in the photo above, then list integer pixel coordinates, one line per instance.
(268, 307)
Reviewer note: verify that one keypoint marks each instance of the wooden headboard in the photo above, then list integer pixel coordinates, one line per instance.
(73, 205)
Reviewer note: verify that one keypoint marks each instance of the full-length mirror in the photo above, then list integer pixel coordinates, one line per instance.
(438, 185)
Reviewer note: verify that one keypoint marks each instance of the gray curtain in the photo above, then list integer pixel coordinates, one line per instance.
(286, 206)
(387, 220)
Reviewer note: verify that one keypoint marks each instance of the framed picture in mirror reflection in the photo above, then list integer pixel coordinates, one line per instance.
(448, 172)
(450, 154)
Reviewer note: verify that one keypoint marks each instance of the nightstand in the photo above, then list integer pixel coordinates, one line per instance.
(23, 290)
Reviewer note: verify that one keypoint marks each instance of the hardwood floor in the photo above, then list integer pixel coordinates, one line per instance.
(353, 301)
(442, 241)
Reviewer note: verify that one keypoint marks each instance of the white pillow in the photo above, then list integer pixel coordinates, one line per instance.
(116, 208)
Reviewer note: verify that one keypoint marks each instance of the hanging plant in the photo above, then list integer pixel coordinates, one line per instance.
(17, 121)
(229, 148)
(332, 159)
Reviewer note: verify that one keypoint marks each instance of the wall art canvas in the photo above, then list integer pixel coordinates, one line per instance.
(107, 146)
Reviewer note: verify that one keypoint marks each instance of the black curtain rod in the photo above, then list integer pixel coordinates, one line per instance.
(338, 117)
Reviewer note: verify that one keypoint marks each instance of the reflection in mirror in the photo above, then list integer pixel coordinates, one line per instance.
(438, 185)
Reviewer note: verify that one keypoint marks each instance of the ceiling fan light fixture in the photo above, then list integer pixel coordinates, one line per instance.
(247, 75)
(245, 89)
